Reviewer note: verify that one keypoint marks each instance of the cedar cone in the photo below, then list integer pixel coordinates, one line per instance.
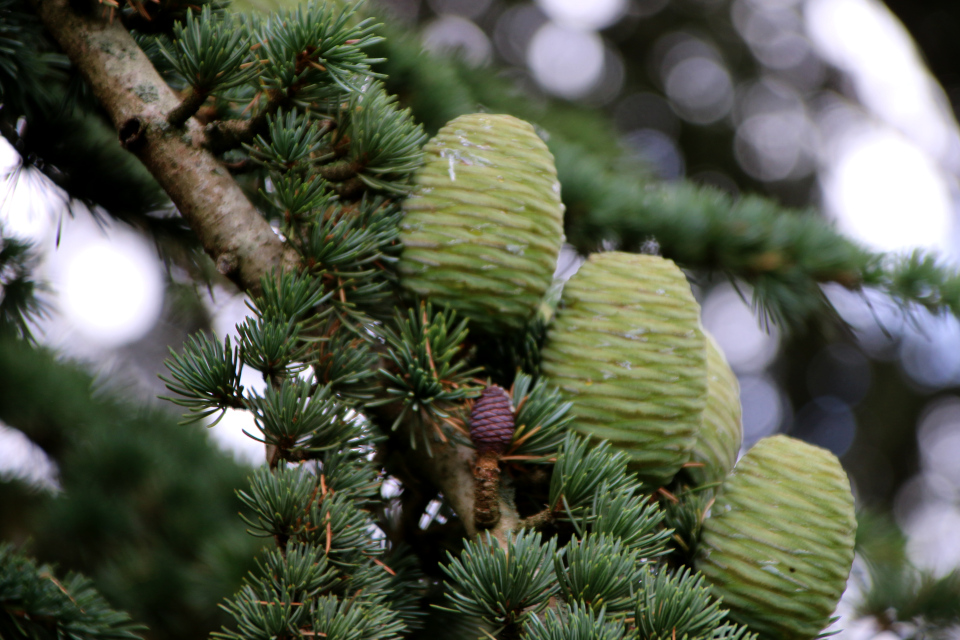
(483, 227)
(778, 544)
(491, 421)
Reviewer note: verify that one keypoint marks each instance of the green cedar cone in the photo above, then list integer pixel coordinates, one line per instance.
(627, 349)
(484, 226)
(778, 544)
(722, 431)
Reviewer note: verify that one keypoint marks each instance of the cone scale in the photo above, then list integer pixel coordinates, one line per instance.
(483, 228)
(778, 544)
(628, 351)
(722, 431)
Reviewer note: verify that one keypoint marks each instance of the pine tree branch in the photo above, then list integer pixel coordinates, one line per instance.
(34, 604)
(138, 101)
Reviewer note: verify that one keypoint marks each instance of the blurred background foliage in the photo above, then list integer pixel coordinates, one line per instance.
(834, 108)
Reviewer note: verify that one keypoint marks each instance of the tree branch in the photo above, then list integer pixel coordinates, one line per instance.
(231, 230)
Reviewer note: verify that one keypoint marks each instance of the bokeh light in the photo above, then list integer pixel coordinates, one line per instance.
(694, 77)
(773, 31)
(565, 61)
(928, 505)
(735, 326)
(885, 191)
(930, 351)
(775, 146)
(22, 459)
(608, 87)
(827, 422)
(765, 409)
(514, 29)
(110, 285)
(577, 14)
(775, 138)
(865, 40)
(456, 35)
(700, 88)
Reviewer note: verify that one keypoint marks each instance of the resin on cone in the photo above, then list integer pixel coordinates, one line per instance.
(483, 228)
(722, 430)
(778, 544)
(627, 350)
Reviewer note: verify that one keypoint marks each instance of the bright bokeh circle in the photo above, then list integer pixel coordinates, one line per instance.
(885, 191)
(581, 14)
(111, 291)
(566, 62)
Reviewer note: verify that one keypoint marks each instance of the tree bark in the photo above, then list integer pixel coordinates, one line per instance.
(138, 101)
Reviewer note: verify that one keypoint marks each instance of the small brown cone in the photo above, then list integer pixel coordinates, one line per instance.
(492, 420)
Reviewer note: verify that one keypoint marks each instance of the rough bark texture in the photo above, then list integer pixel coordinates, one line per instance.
(231, 230)
(486, 473)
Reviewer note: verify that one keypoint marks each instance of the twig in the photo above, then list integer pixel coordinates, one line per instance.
(190, 104)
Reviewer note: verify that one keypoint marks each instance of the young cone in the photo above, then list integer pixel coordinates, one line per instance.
(492, 425)
(778, 544)
(627, 349)
(483, 229)
(492, 420)
(722, 431)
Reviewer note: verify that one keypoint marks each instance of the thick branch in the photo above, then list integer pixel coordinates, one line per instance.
(231, 230)
(450, 470)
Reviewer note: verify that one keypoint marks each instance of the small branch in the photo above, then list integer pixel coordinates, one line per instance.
(486, 507)
(340, 171)
(538, 520)
(223, 135)
(190, 104)
(231, 230)
(240, 166)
